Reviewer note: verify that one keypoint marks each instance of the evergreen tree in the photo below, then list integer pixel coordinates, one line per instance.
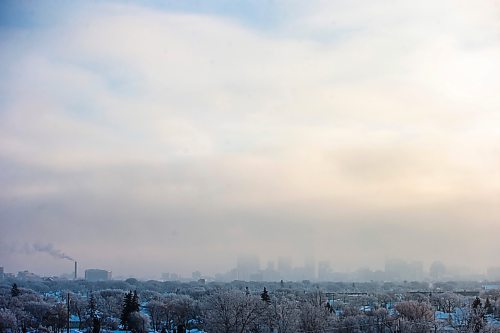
(135, 302)
(130, 305)
(14, 291)
(487, 306)
(92, 306)
(265, 296)
(126, 310)
(96, 325)
(477, 303)
(94, 319)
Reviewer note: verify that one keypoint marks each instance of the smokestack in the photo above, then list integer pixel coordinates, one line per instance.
(76, 269)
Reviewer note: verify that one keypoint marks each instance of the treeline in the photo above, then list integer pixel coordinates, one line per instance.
(241, 308)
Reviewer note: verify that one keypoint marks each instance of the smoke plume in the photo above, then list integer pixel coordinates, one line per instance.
(49, 248)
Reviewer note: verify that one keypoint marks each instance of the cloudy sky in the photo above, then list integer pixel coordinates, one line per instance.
(170, 136)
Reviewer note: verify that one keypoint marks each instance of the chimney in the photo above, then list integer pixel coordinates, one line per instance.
(76, 269)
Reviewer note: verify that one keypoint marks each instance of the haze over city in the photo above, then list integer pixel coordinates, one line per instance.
(165, 136)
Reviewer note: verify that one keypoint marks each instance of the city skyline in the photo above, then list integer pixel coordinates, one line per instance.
(250, 268)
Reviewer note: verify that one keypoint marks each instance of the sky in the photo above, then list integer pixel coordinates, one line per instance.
(172, 136)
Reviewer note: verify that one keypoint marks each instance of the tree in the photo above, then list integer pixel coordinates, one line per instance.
(184, 309)
(415, 316)
(96, 325)
(8, 321)
(313, 318)
(412, 310)
(437, 270)
(126, 310)
(138, 322)
(130, 306)
(92, 306)
(135, 306)
(95, 321)
(14, 291)
(488, 307)
(265, 296)
(286, 314)
(476, 319)
(78, 307)
(156, 310)
(110, 305)
(230, 311)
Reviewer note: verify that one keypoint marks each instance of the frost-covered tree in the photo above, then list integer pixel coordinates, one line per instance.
(313, 318)
(156, 310)
(230, 311)
(138, 322)
(286, 314)
(8, 321)
(184, 308)
(415, 316)
(446, 302)
(110, 305)
(77, 307)
(93, 319)
(476, 318)
(412, 310)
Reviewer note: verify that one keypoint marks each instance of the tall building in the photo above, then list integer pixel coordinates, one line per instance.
(493, 273)
(247, 265)
(416, 271)
(285, 267)
(399, 270)
(270, 273)
(196, 275)
(97, 275)
(324, 271)
(310, 268)
(1, 273)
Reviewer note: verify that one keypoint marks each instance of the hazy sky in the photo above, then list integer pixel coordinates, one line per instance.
(170, 136)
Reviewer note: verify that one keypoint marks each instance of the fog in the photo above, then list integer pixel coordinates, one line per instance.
(170, 137)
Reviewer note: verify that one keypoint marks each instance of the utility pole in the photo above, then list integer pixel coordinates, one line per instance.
(67, 327)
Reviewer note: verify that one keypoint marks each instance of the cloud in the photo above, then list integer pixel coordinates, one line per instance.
(159, 132)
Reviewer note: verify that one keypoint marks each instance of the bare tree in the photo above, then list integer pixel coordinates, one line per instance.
(415, 316)
(8, 321)
(229, 311)
(286, 314)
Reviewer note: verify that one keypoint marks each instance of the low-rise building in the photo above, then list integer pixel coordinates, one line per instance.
(97, 275)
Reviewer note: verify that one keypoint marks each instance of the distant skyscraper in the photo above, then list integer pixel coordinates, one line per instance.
(324, 271)
(285, 267)
(310, 268)
(196, 275)
(246, 266)
(416, 271)
(493, 273)
(1, 273)
(400, 270)
(437, 270)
